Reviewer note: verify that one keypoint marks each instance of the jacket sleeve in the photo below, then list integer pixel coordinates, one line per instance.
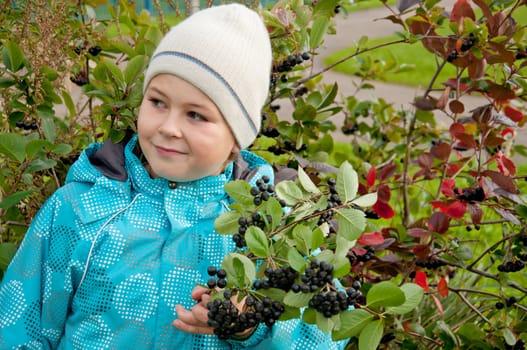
(36, 290)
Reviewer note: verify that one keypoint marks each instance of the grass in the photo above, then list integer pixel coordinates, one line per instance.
(413, 64)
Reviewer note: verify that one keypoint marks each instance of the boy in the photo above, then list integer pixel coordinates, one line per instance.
(113, 258)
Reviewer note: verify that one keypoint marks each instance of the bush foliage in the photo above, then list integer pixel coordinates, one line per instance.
(426, 221)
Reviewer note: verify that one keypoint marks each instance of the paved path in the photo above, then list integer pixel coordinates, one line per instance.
(349, 29)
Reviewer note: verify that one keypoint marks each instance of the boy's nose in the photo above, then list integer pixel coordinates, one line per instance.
(171, 127)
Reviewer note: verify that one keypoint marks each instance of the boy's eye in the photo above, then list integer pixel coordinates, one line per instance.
(197, 116)
(157, 103)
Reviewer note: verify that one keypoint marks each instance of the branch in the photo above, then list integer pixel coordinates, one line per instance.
(465, 300)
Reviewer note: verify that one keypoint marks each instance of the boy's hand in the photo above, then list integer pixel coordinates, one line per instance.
(195, 319)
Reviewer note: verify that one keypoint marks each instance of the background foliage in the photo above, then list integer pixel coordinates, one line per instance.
(429, 219)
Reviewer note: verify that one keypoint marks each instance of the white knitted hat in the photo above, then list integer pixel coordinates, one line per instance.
(224, 51)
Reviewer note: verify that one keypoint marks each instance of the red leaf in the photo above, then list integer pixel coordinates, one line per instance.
(476, 213)
(441, 151)
(442, 287)
(386, 172)
(359, 250)
(460, 10)
(513, 114)
(455, 84)
(371, 238)
(505, 182)
(383, 193)
(421, 281)
(383, 209)
(457, 209)
(418, 232)
(421, 251)
(452, 169)
(443, 206)
(370, 178)
(456, 128)
(447, 187)
(438, 222)
(438, 304)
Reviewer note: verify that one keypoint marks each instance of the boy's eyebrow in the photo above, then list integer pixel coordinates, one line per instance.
(190, 104)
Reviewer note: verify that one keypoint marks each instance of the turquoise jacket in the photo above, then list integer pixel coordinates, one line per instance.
(112, 252)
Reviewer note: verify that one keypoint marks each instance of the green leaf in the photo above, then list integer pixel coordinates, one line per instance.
(309, 316)
(62, 149)
(384, 294)
(522, 210)
(37, 146)
(471, 332)
(48, 128)
(40, 164)
(13, 56)
(318, 31)
(239, 191)
(289, 191)
(257, 241)
(303, 238)
(134, 69)
(371, 335)
(113, 72)
(367, 200)
(227, 223)
(298, 299)
(329, 98)
(7, 252)
(296, 260)
(351, 323)
(352, 223)
(306, 182)
(13, 146)
(326, 324)
(347, 182)
(240, 270)
(413, 294)
(13, 199)
(68, 102)
(274, 209)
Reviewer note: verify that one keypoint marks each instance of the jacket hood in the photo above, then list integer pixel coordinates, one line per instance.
(115, 168)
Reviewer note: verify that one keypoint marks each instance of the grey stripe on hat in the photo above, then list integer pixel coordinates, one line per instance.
(217, 76)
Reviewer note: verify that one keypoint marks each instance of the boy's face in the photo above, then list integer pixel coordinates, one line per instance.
(182, 133)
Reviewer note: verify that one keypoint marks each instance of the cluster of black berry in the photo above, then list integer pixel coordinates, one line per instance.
(27, 125)
(262, 191)
(511, 266)
(281, 278)
(270, 132)
(331, 302)
(291, 61)
(317, 275)
(333, 201)
(431, 263)
(244, 223)
(93, 50)
(217, 277)
(466, 45)
(367, 256)
(523, 239)
(226, 320)
(289, 146)
(80, 78)
(508, 302)
(475, 194)
(519, 345)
